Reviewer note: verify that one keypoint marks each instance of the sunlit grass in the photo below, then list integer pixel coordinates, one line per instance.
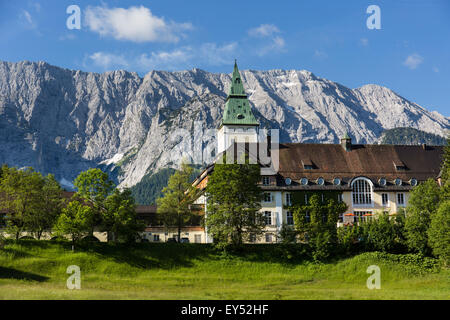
(37, 270)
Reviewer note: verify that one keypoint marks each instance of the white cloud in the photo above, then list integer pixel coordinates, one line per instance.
(207, 53)
(180, 58)
(27, 19)
(136, 24)
(165, 59)
(320, 54)
(364, 42)
(413, 61)
(268, 32)
(264, 30)
(36, 6)
(435, 69)
(108, 60)
(217, 55)
(27, 16)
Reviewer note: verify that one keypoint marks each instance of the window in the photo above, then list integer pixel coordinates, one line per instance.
(198, 238)
(306, 198)
(289, 218)
(267, 197)
(385, 199)
(341, 217)
(266, 181)
(268, 237)
(304, 181)
(156, 237)
(362, 192)
(268, 218)
(401, 199)
(340, 198)
(288, 199)
(361, 215)
(307, 217)
(252, 237)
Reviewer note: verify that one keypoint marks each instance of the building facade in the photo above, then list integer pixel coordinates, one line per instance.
(368, 178)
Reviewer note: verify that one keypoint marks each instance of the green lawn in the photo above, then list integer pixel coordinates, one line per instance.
(37, 270)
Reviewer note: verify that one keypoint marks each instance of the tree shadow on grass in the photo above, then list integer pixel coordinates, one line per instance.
(148, 256)
(14, 253)
(10, 273)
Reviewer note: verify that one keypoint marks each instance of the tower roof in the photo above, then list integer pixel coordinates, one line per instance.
(237, 108)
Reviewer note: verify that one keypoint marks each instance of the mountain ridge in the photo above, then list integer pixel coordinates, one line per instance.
(64, 121)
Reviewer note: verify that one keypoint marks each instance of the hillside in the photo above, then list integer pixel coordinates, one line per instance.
(411, 136)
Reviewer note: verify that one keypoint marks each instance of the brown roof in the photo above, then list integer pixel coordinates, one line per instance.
(331, 161)
(371, 161)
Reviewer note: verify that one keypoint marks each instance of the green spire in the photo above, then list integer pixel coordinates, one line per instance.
(237, 108)
(346, 136)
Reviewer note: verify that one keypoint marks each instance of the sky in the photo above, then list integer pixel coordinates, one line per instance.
(403, 45)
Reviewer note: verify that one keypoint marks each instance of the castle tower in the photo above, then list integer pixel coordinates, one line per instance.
(238, 122)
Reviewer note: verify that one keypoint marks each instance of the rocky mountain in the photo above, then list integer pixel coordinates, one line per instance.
(64, 121)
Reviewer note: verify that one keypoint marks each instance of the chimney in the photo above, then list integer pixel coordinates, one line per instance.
(346, 142)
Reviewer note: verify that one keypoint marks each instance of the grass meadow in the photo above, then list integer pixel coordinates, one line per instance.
(37, 270)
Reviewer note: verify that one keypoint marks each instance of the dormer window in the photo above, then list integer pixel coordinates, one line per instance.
(399, 165)
(266, 181)
(308, 164)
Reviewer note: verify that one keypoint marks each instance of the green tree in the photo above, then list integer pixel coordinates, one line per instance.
(49, 207)
(423, 203)
(446, 163)
(234, 200)
(75, 220)
(94, 186)
(439, 232)
(382, 233)
(287, 234)
(119, 219)
(316, 223)
(21, 198)
(174, 207)
(349, 236)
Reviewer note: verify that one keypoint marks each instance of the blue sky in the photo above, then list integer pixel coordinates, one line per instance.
(409, 54)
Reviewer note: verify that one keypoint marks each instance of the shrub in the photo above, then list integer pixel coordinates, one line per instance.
(439, 233)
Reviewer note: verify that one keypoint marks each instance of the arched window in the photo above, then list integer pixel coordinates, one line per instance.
(362, 191)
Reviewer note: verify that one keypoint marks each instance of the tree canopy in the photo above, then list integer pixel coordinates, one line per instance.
(233, 204)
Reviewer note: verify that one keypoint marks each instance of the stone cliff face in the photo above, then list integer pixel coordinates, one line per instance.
(63, 121)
